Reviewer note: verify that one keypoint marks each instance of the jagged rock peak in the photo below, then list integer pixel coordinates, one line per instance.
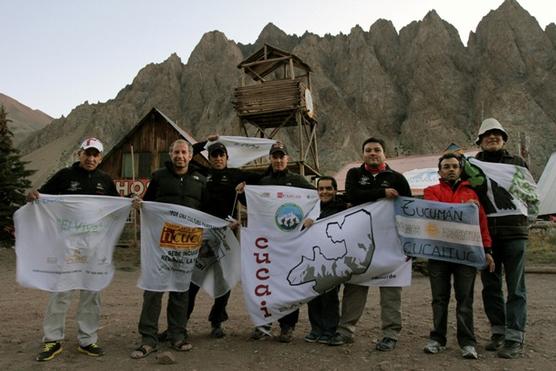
(173, 58)
(356, 30)
(271, 31)
(550, 32)
(510, 5)
(212, 46)
(382, 25)
(432, 15)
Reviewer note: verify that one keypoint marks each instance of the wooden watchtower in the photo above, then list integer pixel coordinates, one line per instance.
(278, 101)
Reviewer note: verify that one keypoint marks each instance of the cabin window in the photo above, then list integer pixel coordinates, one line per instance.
(142, 163)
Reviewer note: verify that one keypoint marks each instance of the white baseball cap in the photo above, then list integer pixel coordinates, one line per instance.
(92, 143)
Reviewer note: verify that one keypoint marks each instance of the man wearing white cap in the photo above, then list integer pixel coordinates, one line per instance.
(82, 178)
(509, 238)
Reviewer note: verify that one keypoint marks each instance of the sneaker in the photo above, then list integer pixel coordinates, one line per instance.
(469, 352)
(496, 342)
(49, 350)
(386, 344)
(336, 340)
(217, 332)
(286, 335)
(323, 339)
(510, 350)
(434, 347)
(311, 337)
(260, 333)
(92, 350)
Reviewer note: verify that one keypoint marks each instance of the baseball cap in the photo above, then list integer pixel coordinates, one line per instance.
(217, 147)
(278, 147)
(92, 143)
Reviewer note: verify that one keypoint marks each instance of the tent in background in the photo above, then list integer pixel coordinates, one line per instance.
(547, 187)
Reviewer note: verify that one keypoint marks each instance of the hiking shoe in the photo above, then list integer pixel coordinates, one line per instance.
(386, 344)
(335, 340)
(311, 337)
(260, 333)
(50, 350)
(496, 342)
(433, 347)
(217, 332)
(510, 350)
(92, 350)
(286, 335)
(469, 352)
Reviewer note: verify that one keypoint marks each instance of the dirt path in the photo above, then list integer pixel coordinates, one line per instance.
(21, 312)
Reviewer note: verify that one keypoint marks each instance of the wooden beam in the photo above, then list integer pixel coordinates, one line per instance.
(259, 76)
(265, 61)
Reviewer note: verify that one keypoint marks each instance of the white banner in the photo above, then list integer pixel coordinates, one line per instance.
(171, 236)
(281, 271)
(242, 150)
(511, 189)
(218, 266)
(278, 208)
(66, 242)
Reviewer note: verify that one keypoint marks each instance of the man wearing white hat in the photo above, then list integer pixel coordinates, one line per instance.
(509, 238)
(82, 178)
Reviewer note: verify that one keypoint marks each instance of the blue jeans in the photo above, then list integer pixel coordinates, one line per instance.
(507, 317)
(440, 275)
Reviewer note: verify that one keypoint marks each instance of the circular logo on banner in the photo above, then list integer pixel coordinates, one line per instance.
(288, 216)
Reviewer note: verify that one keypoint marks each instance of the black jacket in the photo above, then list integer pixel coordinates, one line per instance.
(362, 186)
(75, 180)
(221, 189)
(186, 190)
(333, 207)
(284, 178)
(503, 227)
(221, 186)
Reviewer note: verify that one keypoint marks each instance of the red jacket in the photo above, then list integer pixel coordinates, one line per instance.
(443, 192)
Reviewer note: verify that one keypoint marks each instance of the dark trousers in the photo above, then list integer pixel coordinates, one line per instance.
(440, 274)
(217, 313)
(290, 320)
(176, 312)
(324, 313)
(507, 317)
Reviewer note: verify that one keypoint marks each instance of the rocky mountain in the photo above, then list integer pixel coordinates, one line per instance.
(24, 120)
(420, 89)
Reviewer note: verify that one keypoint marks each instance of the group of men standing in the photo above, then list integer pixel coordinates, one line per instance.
(215, 191)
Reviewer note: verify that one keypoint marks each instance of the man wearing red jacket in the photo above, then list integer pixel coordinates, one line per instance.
(454, 190)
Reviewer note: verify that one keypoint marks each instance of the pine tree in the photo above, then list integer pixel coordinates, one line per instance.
(13, 180)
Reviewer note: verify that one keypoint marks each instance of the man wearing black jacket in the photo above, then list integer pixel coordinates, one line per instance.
(82, 178)
(278, 174)
(324, 310)
(509, 239)
(372, 181)
(177, 183)
(221, 200)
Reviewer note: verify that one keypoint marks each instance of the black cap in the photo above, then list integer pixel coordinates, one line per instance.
(278, 147)
(217, 147)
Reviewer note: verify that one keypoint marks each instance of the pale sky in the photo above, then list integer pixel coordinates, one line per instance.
(56, 54)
